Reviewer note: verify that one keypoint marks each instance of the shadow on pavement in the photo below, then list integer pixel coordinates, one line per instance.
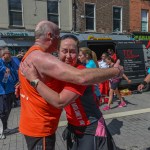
(115, 126)
(148, 148)
(12, 131)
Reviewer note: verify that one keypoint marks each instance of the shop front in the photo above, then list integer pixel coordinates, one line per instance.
(17, 41)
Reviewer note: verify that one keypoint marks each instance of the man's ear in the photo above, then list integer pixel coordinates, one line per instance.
(49, 36)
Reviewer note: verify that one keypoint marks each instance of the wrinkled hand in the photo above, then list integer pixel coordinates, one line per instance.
(17, 89)
(29, 71)
(120, 68)
(140, 87)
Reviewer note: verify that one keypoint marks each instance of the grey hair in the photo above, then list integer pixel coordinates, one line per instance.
(4, 50)
(43, 27)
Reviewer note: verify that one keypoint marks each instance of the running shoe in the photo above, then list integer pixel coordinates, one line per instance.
(122, 104)
(106, 108)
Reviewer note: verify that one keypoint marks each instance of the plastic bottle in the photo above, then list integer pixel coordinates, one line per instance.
(5, 78)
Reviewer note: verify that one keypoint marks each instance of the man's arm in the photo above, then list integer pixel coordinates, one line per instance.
(144, 83)
(49, 65)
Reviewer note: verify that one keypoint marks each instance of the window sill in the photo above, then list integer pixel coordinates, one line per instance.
(15, 27)
(90, 31)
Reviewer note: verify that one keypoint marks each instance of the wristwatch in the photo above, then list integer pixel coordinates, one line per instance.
(34, 83)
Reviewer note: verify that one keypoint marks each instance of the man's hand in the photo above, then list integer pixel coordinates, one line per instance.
(29, 71)
(140, 87)
(7, 70)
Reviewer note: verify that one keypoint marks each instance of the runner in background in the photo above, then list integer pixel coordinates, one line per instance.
(104, 86)
(112, 54)
(114, 85)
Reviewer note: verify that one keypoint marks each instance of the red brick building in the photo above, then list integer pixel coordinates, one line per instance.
(139, 19)
(102, 16)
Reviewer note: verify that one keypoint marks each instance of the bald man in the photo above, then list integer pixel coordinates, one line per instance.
(39, 120)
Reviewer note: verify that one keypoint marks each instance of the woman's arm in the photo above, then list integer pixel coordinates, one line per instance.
(126, 78)
(57, 100)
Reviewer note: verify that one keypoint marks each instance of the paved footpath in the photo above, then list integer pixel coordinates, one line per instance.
(130, 126)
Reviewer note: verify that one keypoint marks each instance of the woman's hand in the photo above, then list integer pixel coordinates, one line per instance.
(140, 87)
(29, 71)
(129, 81)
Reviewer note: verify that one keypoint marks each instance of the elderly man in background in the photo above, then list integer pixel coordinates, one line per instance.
(8, 79)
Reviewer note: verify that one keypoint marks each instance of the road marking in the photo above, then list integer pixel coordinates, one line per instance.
(116, 115)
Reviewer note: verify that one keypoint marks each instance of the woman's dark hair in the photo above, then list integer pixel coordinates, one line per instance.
(69, 36)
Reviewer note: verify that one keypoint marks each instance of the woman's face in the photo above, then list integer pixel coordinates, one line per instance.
(108, 61)
(82, 57)
(103, 56)
(68, 51)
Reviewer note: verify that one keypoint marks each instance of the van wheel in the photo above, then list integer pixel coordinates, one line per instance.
(146, 88)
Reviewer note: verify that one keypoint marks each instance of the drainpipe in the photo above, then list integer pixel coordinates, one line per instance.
(74, 6)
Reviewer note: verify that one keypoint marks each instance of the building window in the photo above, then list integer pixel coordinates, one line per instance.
(15, 12)
(144, 21)
(53, 11)
(117, 19)
(90, 16)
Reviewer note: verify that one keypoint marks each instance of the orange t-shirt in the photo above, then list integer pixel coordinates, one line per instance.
(38, 118)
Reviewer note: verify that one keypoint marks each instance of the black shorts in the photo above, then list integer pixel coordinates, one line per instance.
(114, 84)
(41, 143)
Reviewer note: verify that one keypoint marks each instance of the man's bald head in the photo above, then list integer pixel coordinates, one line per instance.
(44, 27)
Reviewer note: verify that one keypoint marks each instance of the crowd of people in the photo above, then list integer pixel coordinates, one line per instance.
(75, 81)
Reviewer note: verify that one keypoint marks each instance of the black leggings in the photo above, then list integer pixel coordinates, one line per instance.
(41, 143)
(82, 142)
(5, 107)
(91, 142)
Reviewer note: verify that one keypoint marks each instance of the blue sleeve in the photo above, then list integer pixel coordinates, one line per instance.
(2, 67)
(2, 70)
(91, 64)
(148, 71)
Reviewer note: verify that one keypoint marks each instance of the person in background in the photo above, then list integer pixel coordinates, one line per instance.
(114, 85)
(104, 86)
(8, 79)
(89, 59)
(20, 55)
(86, 128)
(16, 60)
(112, 54)
(95, 58)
